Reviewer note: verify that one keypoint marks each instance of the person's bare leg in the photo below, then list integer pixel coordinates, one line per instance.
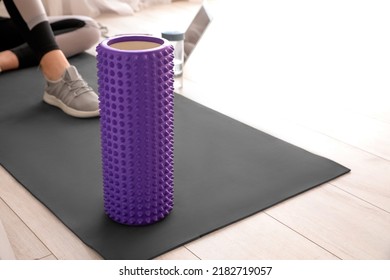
(8, 61)
(65, 88)
(53, 65)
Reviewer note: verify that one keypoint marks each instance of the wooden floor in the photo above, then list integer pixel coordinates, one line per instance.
(315, 75)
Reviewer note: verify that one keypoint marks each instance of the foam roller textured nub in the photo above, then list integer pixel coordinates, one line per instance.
(136, 123)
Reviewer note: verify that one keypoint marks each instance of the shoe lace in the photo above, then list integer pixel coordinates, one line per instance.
(78, 87)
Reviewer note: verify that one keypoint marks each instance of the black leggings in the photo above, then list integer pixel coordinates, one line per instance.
(30, 34)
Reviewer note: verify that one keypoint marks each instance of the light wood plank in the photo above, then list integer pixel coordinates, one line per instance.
(370, 175)
(180, 253)
(355, 129)
(59, 240)
(25, 244)
(49, 257)
(339, 222)
(257, 237)
(379, 112)
(6, 251)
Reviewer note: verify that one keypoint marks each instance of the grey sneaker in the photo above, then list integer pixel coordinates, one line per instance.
(72, 95)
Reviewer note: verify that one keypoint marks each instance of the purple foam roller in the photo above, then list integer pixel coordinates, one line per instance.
(135, 78)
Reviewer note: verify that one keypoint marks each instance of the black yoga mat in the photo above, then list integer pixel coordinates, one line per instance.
(224, 170)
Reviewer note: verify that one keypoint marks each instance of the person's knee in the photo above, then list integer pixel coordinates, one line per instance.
(91, 33)
(80, 39)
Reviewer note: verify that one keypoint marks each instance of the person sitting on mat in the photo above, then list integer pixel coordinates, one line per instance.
(30, 37)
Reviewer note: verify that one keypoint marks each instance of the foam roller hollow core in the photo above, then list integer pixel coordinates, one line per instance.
(135, 79)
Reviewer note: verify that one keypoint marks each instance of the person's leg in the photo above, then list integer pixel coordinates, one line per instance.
(73, 34)
(10, 38)
(81, 35)
(9, 34)
(65, 87)
(8, 61)
(30, 18)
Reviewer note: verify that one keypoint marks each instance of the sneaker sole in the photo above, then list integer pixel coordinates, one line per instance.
(52, 100)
